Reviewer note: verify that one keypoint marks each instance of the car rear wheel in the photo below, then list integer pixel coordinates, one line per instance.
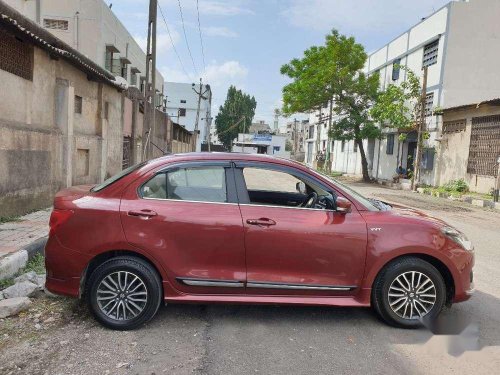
(408, 290)
(124, 293)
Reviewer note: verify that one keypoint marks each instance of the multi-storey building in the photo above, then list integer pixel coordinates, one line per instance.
(459, 45)
(91, 28)
(182, 106)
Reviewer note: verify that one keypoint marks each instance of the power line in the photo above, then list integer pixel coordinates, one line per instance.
(201, 38)
(172, 41)
(185, 37)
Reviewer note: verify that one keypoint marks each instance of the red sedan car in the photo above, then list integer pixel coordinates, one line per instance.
(240, 228)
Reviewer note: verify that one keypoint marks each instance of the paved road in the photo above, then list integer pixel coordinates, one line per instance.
(186, 339)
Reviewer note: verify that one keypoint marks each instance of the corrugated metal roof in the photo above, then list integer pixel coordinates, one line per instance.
(495, 101)
(17, 24)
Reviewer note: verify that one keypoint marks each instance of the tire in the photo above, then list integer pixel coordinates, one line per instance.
(141, 296)
(396, 278)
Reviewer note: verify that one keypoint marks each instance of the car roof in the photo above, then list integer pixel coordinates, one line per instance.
(235, 156)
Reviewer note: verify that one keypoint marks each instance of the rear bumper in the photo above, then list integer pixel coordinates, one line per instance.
(64, 268)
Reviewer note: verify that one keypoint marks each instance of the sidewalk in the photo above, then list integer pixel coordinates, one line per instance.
(18, 234)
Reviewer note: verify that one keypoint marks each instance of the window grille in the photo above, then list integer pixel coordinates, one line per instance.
(16, 57)
(484, 148)
(455, 126)
(430, 54)
(55, 24)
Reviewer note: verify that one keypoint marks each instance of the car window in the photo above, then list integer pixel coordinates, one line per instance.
(116, 177)
(273, 187)
(203, 184)
(269, 180)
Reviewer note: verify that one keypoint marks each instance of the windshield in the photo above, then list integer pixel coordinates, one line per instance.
(116, 177)
(370, 204)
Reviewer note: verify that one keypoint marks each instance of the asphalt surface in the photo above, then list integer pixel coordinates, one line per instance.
(57, 336)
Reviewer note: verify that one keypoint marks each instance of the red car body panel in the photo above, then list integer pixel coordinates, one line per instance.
(213, 241)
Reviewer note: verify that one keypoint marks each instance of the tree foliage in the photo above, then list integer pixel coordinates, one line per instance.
(398, 106)
(333, 72)
(235, 116)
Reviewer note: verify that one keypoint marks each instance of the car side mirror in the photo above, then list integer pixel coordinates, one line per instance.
(343, 205)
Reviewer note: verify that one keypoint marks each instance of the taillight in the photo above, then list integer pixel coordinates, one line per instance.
(57, 218)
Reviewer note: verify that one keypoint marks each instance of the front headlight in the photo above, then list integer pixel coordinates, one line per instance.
(458, 237)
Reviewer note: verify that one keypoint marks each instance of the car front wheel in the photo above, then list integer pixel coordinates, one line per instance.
(407, 290)
(124, 293)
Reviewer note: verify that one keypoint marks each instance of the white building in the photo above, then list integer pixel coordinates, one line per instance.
(90, 27)
(182, 107)
(261, 144)
(459, 44)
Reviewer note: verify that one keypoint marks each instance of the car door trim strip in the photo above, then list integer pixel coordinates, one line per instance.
(217, 283)
(259, 284)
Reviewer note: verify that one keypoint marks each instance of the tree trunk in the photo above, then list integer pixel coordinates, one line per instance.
(364, 162)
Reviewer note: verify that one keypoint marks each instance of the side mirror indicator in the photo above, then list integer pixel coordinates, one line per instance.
(343, 205)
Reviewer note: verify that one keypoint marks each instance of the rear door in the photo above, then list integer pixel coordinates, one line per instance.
(187, 217)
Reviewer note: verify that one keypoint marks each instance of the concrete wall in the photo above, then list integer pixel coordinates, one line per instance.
(453, 151)
(89, 31)
(44, 145)
(472, 54)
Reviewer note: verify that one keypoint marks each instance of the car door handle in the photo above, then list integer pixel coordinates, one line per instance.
(262, 222)
(145, 214)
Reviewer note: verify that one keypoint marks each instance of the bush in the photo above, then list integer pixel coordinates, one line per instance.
(459, 186)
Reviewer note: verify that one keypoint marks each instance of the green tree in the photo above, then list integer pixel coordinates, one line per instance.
(399, 107)
(331, 75)
(235, 116)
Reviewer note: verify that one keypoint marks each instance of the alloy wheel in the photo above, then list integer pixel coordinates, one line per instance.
(412, 295)
(122, 295)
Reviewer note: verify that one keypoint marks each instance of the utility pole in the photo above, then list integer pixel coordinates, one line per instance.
(295, 136)
(497, 183)
(200, 94)
(421, 126)
(150, 84)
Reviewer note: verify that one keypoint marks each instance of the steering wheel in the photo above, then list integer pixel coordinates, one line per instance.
(310, 200)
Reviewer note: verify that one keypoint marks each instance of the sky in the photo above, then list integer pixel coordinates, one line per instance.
(245, 42)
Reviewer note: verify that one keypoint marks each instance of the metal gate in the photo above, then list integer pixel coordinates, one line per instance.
(127, 152)
(484, 146)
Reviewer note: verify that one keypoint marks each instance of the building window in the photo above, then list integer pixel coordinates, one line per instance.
(133, 79)
(183, 101)
(311, 131)
(342, 146)
(395, 69)
(106, 111)
(427, 162)
(389, 150)
(55, 24)
(454, 126)
(182, 112)
(355, 146)
(429, 104)
(430, 54)
(78, 104)
(16, 57)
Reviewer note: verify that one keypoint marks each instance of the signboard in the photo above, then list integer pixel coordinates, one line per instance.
(262, 137)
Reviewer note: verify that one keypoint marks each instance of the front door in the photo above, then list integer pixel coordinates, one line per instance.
(292, 249)
(187, 217)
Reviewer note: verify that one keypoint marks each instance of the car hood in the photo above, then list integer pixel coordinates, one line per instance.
(412, 213)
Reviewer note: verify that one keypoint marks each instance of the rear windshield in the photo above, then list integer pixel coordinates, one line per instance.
(116, 177)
